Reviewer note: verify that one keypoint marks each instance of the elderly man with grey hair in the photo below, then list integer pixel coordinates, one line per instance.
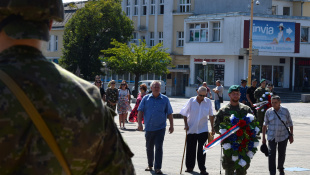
(156, 108)
(196, 113)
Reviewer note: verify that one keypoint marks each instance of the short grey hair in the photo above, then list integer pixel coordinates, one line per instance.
(202, 89)
(155, 82)
(276, 97)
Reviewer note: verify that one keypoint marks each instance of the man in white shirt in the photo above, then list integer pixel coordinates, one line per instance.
(196, 113)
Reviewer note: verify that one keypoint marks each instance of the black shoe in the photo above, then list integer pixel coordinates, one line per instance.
(281, 171)
(204, 173)
(126, 121)
(158, 171)
(149, 168)
(188, 170)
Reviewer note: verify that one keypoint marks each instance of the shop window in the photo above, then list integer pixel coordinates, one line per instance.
(256, 72)
(210, 73)
(266, 73)
(278, 76)
(185, 6)
(304, 34)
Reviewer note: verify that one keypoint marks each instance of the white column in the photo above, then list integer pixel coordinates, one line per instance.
(293, 75)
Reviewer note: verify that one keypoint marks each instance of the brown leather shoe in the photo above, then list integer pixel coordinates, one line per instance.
(204, 173)
(188, 170)
(158, 171)
(148, 168)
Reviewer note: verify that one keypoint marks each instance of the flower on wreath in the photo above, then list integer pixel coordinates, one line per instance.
(222, 131)
(227, 146)
(242, 123)
(235, 146)
(250, 154)
(250, 116)
(233, 137)
(256, 144)
(251, 145)
(242, 162)
(257, 130)
(234, 158)
(239, 132)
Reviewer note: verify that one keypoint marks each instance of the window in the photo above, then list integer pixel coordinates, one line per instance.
(185, 6)
(134, 38)
(304, 34)
(286, 11)
(274, 10)
(56, 42)
(128, 7)
(136, 9)
(198, 32)
(144, 7)
(53, 43)
(142, 38)
(160, 37)
(161, 7)
(151, 39)
(216, 31)
(152, 7)
(180, 39)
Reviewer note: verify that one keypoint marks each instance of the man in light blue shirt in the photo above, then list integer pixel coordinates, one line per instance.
(155, 108)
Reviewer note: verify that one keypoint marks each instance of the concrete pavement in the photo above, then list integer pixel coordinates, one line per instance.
(298, 153)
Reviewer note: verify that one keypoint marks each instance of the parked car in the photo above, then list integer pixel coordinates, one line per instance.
(148, 85)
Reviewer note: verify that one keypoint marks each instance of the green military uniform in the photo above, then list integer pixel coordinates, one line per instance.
(225, 111)
(72, 108)
(260, 114)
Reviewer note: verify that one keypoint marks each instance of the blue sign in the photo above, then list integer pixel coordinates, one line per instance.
(273, 36)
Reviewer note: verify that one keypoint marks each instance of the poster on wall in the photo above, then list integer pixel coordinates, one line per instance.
(273, 36)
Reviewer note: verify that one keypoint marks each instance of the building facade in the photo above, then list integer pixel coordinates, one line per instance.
(218, 32)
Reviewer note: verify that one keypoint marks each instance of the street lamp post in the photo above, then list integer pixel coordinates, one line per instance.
(250, 43)
(204, 63)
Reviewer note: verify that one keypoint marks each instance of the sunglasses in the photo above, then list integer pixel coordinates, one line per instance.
(112, 83)
(202, 95)
(123, 84)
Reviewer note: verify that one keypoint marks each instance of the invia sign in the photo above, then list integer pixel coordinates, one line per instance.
(273, 36)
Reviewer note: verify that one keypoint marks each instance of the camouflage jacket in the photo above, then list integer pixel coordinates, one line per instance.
(226, 111)
(259, 92)
(72, 109)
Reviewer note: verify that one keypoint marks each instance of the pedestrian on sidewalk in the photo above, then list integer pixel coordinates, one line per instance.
(218, 93)
(196, 113)
(133, 116)
(156, 108)
(243, 90)
(123, 105)
(204, 84)
(112, 95)
(277, 134)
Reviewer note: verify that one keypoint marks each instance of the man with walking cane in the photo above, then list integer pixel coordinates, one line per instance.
(196, 113)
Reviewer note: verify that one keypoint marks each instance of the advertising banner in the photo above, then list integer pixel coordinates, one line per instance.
(273, 36)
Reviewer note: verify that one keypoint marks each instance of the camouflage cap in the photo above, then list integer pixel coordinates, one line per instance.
(262, 80)
(29, 19)
(234, 88)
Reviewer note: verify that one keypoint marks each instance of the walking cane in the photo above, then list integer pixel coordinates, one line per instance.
(221, 159)
(183, 152)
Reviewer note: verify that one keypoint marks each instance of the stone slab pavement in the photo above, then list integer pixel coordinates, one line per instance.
(297, 155)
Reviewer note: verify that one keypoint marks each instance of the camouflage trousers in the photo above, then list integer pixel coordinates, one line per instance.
(228, 166)
(260, 119)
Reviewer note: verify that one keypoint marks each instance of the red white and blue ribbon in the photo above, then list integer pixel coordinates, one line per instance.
(220, 138)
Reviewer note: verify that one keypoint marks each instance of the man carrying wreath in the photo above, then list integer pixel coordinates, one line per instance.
(226, 111)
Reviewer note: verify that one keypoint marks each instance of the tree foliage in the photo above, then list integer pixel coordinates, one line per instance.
(90, 30)
(137, 59)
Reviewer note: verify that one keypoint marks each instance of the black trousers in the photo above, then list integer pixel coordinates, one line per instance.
(272, 155)
(191, 142)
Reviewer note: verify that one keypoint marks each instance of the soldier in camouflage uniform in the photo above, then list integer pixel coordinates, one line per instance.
(225, 111)
(71, 107)
(257, 95)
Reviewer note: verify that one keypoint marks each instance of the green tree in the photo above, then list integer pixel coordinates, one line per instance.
(138, 60)
(90, 30)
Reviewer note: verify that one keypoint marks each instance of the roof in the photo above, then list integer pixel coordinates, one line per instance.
(69, 12)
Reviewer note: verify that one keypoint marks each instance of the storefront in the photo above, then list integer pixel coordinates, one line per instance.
(302, 72)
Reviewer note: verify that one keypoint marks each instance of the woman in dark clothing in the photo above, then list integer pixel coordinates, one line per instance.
(112, 95)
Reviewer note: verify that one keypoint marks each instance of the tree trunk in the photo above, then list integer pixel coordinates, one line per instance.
(135, 93)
